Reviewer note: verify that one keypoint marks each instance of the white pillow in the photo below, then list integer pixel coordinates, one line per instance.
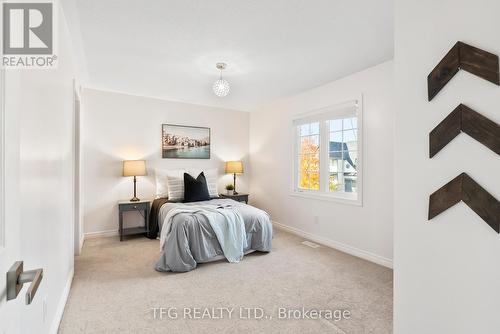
(175, 184)
(211, 175)
(161, 183)
(170, 183)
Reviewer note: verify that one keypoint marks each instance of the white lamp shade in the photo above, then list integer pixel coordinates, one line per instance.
(134, 168)
(234, 167)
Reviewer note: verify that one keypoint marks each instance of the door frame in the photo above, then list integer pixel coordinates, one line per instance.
(2, 160)
(10, 238)
(77, 169)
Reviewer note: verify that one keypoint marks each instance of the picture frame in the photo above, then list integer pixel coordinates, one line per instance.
(185, 142)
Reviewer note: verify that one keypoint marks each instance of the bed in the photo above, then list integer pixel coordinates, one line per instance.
(187, 238)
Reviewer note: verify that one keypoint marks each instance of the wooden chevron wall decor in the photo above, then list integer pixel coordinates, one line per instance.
(464, 119)
(465, 57)
(464, 188)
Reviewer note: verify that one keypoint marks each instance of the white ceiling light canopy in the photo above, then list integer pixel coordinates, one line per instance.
(221, 86)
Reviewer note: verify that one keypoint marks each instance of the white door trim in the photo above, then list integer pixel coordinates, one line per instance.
(2, 160)
(77, 169)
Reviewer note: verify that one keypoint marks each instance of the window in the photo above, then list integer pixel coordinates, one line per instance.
(342, 155)
(327, 155)
(309, 156)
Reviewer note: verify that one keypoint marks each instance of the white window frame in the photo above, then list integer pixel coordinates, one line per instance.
(336, 111)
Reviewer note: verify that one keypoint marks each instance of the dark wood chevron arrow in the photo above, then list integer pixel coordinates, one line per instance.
(464, 188)
(465, 57)
(464, 119)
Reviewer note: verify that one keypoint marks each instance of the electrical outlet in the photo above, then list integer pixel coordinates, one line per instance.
(316, 220)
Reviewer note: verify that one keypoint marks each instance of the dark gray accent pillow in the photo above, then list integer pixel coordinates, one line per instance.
(195, 190)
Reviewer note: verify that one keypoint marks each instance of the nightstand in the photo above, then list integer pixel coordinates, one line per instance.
(238, 198)
(143, 207)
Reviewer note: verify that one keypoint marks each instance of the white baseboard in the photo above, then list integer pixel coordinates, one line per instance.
(383, 261)
(101, 234)
(62, 303)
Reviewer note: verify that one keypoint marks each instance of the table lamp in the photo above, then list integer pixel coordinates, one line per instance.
(134, 168)
(234, 167)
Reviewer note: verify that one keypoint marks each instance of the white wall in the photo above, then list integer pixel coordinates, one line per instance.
(447, 271)
(118, 127)
(365, 231)
(45, 109)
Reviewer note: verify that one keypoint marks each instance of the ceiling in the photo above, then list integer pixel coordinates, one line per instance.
(274, 48)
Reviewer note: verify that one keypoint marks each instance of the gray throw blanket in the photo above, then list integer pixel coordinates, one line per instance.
(190, 238)
(227, 225)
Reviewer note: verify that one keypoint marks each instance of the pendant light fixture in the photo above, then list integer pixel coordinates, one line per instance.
(221, 86)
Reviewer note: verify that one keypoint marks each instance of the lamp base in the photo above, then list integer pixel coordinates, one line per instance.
(135, 198)
(234, 184)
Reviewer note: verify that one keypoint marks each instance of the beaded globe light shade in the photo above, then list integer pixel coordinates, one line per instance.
(221, 86)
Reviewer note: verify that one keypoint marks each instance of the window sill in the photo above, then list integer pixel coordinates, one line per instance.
(343, 199)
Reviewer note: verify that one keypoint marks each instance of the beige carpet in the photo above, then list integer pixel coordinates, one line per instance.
(116, 288)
